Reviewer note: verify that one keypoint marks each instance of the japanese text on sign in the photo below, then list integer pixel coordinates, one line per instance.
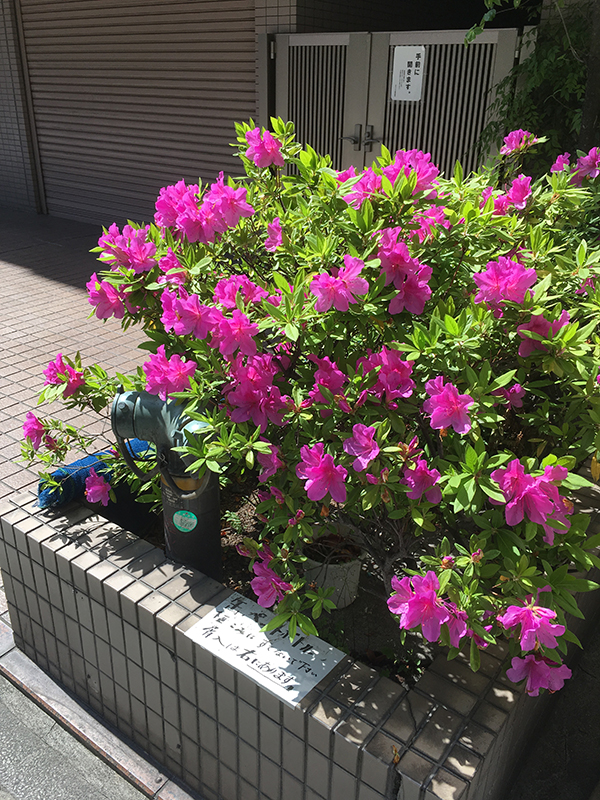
(407, 73)
(289, 670)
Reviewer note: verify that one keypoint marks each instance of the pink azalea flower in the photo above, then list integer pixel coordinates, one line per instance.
(561, 163)
(368, 185)
(362, 444)
(105, 298)
(227, 291)
(421, 481)
(587, 167)
(268, 586)
(513, 395)
(541, 673)
(128, 249)
(34, 430)
(327, 375)
(58, 372)
(540, 325)
(321, 474)
(524, 494)
(501, 204)
(270, 463)
(520, 191)
(96, 488)
(252, 394)
(457, 623)
(421, 606)
(167, 204)
(264, 150)
(174, 271)
(194, 317)
(407, 161)
(446, 407)
(236, 333)
(228, 203)
(393, 378)
(427, 222)
(164, 376)
(413, 294)
(516, 141)
(503, 280)
(536, 627)
(339, 290)
(275, 237)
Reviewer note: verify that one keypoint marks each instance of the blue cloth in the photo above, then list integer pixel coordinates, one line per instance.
(72, 476)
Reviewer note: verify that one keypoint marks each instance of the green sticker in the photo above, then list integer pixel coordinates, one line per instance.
(185, 521)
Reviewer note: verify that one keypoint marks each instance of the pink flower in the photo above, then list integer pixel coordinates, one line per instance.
(128, 249)
(164, 376)
(275, 237)
(407, 161)
(227, 291)
(368, 185)
(421, 606)
(270, 463)
(501, 204)
(393, 378)
(362, 444)
(446, 407)
(524, 494)
(513, 395)
(264, 150)
(339, 290)
(520, 191)
(268, 586)
(457, 623)
(105, 297)
(96, 488)
(58, 372)
(421, 481)
(587, 167)
(327, 375)
(536, 627)
(321, 474)
(252, 394)
(540, 325)
(167, 204)
(227, 203)
(541, 673)
(175, 273)
(516, 141)
(34, 430)
(236, 333)
(503, 280)
(561, 162)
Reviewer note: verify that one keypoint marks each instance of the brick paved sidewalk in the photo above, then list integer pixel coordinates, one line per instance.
(44, 266)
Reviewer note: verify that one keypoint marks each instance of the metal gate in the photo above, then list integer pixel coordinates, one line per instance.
(341, 91)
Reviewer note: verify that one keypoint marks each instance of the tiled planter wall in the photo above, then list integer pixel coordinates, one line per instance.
(105, 614)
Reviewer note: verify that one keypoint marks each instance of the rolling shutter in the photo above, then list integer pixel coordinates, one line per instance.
(134, 95)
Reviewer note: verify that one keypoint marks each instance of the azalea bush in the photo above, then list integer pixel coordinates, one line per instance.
(405, 358)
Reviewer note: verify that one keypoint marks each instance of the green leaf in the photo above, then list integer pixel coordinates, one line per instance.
(276, 622)
(451, 325)
(474, 656)
(291, 331)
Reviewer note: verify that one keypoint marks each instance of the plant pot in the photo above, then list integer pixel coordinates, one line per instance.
(343, 577)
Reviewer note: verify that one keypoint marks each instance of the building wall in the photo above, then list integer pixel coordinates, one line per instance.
(16, 182)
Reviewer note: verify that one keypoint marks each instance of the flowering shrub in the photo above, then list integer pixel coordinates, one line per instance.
(408, 357)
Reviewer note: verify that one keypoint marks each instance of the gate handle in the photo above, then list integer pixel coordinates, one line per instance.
(369, 138)
(354, 139)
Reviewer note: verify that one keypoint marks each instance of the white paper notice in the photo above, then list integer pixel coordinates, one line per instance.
(288, 670)
(407, 74)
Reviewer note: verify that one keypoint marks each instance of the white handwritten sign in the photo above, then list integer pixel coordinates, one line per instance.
(289, 670)
(407, 72)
